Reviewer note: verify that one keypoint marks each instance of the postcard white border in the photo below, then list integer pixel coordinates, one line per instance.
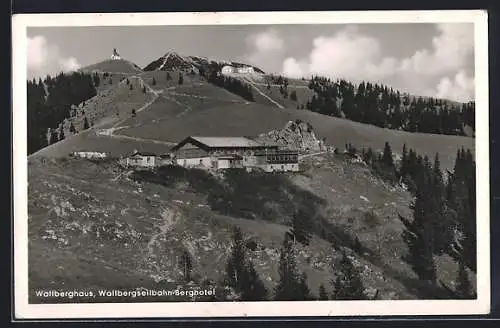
(24, 310)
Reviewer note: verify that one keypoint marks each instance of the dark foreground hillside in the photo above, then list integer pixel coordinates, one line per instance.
(94, 225)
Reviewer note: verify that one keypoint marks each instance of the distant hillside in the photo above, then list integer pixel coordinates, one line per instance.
(173, 61)
(366, 103)
(113, 66)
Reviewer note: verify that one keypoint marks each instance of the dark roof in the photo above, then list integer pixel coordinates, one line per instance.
(222, 142)
(142, 153)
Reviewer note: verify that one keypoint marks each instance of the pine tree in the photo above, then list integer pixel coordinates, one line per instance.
(154, 81)
(463, 289)
(290, 284)
(437, 207)
(304, 290)
(323, 295)
(301, 227)
(134, 113)
(369, 156)
(181, 78)
(387, 158)
(144, 89)
(241, 275)
(293, 95)
(403, 170)
(168, 77)
(85, 123)
(236, 263)
(418, 235)
(347, 284)
(186, 265)
(61, 135)
(461, 198)
(72, 128)
(131, 87)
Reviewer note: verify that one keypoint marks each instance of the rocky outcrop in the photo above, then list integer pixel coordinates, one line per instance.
(295, 135)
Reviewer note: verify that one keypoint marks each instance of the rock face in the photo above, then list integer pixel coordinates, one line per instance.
(296, 135)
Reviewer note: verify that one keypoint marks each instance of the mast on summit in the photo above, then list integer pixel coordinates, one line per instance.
(115, 54)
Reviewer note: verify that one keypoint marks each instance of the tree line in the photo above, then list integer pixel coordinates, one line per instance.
(49, 103)
(241, 282)
(444, 216)
(231, 84)
(444, 209)
(385, 107)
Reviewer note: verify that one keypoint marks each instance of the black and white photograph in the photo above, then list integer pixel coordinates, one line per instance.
(251, 164)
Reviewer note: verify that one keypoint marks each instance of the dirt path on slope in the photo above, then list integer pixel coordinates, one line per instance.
(254, 86)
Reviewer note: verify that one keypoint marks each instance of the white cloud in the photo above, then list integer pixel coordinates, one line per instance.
(460, 88)
(351, 55)
(267, 49)
(45, 58)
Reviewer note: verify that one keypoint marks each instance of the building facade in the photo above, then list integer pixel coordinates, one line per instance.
(141, 159)
(89, 154)
(233, 152)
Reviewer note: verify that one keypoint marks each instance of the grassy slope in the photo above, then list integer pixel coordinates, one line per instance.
(114, 66)
(247, 119)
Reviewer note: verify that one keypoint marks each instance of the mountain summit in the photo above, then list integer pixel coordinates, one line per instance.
(174, 61)
(116, 64)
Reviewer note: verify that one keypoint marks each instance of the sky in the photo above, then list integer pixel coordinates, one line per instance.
(423, 59)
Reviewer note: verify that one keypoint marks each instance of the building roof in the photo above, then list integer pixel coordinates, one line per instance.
(142, 153)
(222, 142)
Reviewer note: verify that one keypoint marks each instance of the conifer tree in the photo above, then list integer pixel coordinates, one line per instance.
(463, 289)
(369, 156)
(85, 123)
(290, 285)
(72, 128)
(437, 206)
(461, 198)
(186, 265)
(301, 227)
(154, 81)
(61, 135)
(387, 158)
(181, 78)
(347, 284)
(293, 95)
(240, 274)
(403, 170)
(418, 235)
(304, 291)
(169, 77)
(323, 295)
